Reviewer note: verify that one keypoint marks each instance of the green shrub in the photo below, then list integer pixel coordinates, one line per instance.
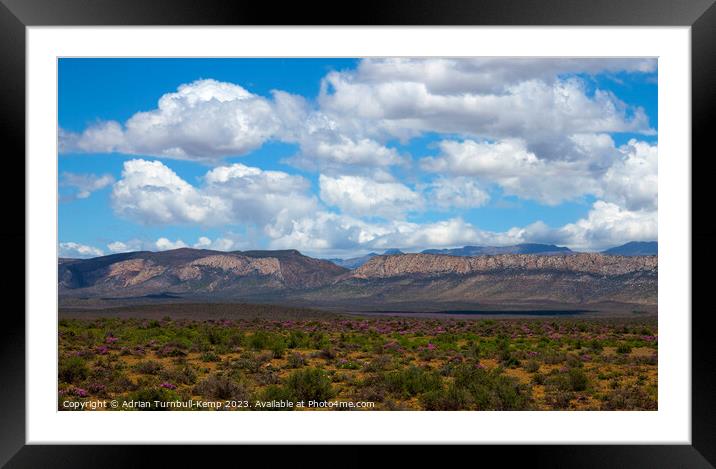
(276, 393)
(631, 398)
(411, 381)
(259, 340)
(148, 367)
(210, 357)
(309, 384)
(454, 398)
(248, 361)
(491, 390)
(624, 349)
(278, 348)
(296, 360)
(219, 386)
(577, 379)
(72, 370)
(559, 398)
(532, 366)
(596, 345)
(379, 363)
(297, 339)
(179, 374)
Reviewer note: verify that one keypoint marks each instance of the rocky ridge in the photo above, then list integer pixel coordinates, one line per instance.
(436, 264)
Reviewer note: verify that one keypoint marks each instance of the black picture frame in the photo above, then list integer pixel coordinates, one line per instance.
(16, 15)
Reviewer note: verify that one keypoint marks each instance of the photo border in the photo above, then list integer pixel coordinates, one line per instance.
(16, 15)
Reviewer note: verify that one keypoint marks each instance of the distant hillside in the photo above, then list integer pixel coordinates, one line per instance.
(635, 248)
(355, 262)
(188, 271)
(385, 281)
(527, 248)
(430, 279)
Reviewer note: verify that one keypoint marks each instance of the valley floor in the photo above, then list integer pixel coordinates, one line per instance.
(250, 362)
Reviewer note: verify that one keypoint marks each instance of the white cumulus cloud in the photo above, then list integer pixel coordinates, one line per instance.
(85, 184)
(457, 192)
(165, 244)
(204, 120)
(363, 196)
(149, 192)
(77, 250)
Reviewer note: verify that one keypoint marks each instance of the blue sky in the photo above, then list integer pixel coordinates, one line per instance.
(338, 157)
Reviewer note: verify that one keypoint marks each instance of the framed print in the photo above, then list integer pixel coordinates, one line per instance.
(445, 223)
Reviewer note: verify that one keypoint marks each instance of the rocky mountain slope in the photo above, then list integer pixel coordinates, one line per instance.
(193, 271)
(573, 279)
(437, 265)
(387, 280)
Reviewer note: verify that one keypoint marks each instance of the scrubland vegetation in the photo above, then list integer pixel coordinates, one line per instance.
(394, 363)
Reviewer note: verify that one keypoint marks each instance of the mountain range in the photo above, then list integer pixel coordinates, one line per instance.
(354, 262)
(384, 281)
(633, 248)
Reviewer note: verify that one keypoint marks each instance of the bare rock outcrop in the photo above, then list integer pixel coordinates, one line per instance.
(436, 265)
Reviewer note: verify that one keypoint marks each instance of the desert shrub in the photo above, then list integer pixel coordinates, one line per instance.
(345, 364)
(454, 398)
(491, 390)
(577, 379)
(179, 374)
(148, 367)
(297, 339)
(559, 398)
(309, 384)
(249, 361)
(236, 339)
(573, 379)
(554, 358)
(410, 381)
(278, 347)
(265, 378)
(220, 386)
(259, 340)
(216, 336)
(210, 357)
(371, 392)
(624, 349)
(296, 360)
(531, 366)
(327, 353)
(72, 370)
(631, 398)
(170, 351)
(276, 393)
(650, 360)
(379, 363)
(508, 359)
(538, 378)
(319, 341)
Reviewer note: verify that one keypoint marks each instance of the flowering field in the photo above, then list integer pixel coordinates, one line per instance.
(358, 364)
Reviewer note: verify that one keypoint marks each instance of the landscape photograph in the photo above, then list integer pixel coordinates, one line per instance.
(367, 234)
